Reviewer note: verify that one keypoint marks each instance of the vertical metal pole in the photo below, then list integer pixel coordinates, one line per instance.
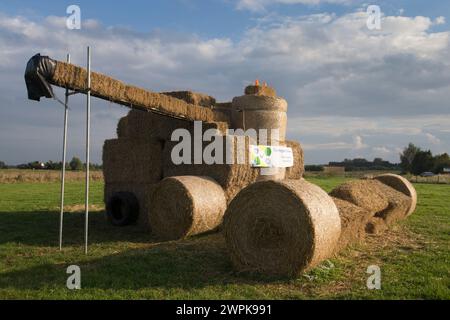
(63, 167)
(88, 129)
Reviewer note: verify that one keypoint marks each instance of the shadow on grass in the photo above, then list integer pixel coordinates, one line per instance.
(193, 263)
(188, 264)
(42, 229)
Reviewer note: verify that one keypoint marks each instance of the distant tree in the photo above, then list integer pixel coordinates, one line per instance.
(36, 165)
(3, 165)
(423, 162)
(378, 161)
(360, 164)
(313, 168)
(76, 164)
(95, 166)
(50, 165)
(407, 157)
(440, 162)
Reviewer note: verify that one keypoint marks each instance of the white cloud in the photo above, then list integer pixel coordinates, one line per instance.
(439, 20)
(432, 139)
(382, 151)
(358, 143)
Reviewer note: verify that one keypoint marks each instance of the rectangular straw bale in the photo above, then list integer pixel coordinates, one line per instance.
(107, 88)
(132, 161)
(146, 125)
(225, 108)
(193, 98)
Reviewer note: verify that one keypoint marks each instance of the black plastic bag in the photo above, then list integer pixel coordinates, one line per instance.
(39, 70)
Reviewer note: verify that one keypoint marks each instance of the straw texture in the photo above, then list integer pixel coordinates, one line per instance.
(297, 171)
(260, 112)
(193, 98)
(281, 227)
(354, 220)
(107, 88)
(186, 206)
(133, 161)
(402, 185)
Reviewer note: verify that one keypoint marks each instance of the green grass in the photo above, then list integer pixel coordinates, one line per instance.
(126, 263)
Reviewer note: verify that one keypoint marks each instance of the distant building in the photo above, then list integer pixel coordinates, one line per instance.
(446, 171)
(333, 170)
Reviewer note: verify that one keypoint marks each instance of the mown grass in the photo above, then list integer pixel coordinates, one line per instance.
(126, 263)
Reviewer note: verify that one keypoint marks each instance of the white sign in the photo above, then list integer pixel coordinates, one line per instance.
(271, 157)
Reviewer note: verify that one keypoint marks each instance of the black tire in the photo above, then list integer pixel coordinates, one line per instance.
(122, 209)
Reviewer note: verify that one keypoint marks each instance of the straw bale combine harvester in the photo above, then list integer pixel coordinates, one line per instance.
(273, 220)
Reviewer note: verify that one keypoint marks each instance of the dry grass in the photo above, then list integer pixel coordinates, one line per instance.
(44, 176)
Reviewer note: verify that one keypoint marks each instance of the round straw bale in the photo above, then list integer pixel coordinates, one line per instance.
(185, 206)
(402, 185)
(281, 227)
(261, 112)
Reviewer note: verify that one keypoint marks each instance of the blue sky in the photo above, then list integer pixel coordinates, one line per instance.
(351, 92)
(208, 18)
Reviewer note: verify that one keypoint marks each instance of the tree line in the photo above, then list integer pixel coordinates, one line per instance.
(75, 165)
(413, 160)
(358, 164)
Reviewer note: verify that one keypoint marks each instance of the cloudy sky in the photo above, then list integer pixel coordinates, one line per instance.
(352, 92)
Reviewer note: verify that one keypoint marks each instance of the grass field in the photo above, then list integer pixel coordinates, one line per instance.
(126, 263)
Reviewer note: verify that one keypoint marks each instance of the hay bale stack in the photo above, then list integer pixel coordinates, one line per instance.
(107, 88)
(232, 177)
(193, 98)
(297, 171)
(281, 227)
(354, 220)
(131, 160)
(186, 206)
(402, 185)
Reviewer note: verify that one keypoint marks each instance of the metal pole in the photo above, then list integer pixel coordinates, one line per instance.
(63, 167)
(88, 129)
